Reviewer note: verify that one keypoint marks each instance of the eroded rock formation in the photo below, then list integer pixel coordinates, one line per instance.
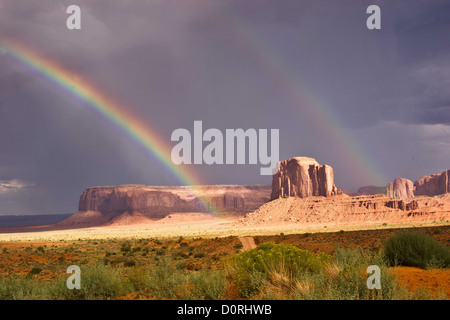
(430, 186)
(303, 177)
(433, 185)
(346, 210)
(401, 188)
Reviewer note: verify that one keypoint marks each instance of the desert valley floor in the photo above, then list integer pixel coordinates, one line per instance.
(195, 225)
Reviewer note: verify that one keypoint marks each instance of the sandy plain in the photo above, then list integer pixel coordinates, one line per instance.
(196, 225)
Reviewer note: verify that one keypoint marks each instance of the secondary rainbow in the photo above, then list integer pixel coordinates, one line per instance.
(106, 107)
(312, 110)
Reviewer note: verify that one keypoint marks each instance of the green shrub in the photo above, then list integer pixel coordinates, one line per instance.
(417, 250)
(34, 271)
(40, 249)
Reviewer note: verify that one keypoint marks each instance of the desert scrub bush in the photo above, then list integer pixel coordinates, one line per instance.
(140, 279)
(20, 289)
(165, 281)
(349, 280)
(286, 272)
(98, 282)
(206, 285)
(125, 246)
(269, 263)
(34, 271)
(416, 250)
(40, 249)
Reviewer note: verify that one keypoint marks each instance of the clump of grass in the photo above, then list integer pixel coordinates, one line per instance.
(416, 250)
(207, 285)
(164, 282)
(20, 289)
(285, 272)
(98, 282)
(254, 268)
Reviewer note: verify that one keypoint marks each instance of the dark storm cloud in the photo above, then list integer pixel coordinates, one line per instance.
(232, 64)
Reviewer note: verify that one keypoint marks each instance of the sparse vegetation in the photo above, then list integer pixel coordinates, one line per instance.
(202, 268)
(252, 269)
(284, 272)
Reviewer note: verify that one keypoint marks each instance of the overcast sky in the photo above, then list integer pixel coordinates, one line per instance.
(356, 99)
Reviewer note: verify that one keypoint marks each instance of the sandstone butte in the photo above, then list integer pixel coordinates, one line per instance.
(433, 185)
(303, 177)
(401, 188)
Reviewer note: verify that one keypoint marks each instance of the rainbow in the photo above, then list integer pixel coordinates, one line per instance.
(317, 111)
(106, 107)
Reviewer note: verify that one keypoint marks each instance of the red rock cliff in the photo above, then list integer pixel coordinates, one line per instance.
(303, 177)
(430, 186)
(433, 185)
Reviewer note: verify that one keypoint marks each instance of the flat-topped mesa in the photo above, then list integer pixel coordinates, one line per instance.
(153, 199)
(401, 188)
(371, 190)
(303, 177)
(138, 203)
(433, 185)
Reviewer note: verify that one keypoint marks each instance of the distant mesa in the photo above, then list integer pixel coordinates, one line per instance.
(430, 186)
(371, 190)
(303, 177)
(134, 204)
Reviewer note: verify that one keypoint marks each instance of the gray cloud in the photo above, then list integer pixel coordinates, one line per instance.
(14, 185)
(232, 64)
